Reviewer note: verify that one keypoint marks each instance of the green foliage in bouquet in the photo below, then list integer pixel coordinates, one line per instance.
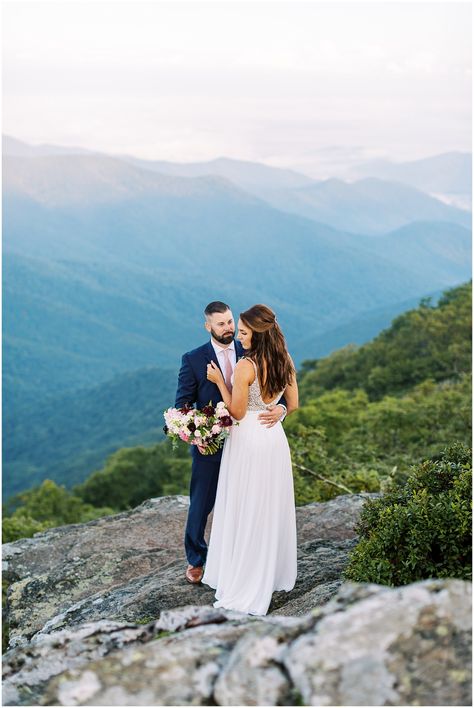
(421, 530)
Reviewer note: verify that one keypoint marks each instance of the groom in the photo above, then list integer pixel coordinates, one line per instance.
(195, 388)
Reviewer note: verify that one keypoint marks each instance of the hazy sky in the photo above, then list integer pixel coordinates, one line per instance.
(287, 83)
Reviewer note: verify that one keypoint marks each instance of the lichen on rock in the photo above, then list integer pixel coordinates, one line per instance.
(101, 614)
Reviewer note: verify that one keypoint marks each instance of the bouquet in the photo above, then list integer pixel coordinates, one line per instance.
(206, 428)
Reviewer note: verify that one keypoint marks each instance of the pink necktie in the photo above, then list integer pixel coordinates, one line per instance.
(227, 369)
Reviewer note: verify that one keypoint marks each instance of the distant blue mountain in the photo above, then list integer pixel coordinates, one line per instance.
(448, 245)
(370, 206)
(107, 267)
(68, 436)
(374, 205)
(363, 328)
(12, 147)
(117, 256)
(254, 177)
(447, 176)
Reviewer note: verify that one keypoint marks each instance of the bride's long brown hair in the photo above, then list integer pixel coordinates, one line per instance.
(268, 349)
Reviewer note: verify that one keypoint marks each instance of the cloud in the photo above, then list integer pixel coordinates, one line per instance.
(195, 80)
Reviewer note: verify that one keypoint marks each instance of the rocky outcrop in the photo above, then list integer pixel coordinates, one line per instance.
(368, 645)
(130, 566)
(100, 614)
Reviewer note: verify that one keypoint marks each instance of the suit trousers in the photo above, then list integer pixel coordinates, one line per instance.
(202, 493)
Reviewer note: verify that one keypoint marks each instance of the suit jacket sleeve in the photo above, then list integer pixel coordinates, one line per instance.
(283, 401)
(187, 384)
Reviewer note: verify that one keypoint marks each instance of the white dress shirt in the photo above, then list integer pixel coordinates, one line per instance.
(220, 354)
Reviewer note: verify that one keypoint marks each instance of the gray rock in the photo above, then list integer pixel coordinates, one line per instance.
(27, 670)
(333, 520)
(320, 565)
(254, 673)
(178, 670)
(403, 646)
(101, 614)
(112, 551)
(369, 645)
(130, 566)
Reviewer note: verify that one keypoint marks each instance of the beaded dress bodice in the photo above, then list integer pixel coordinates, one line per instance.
(256, 402)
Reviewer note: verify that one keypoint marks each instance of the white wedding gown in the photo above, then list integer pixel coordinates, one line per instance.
(252, 546)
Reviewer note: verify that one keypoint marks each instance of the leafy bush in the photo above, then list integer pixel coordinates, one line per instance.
(21, 526)
(45, 507)
(319, 475)
(363, 444)
(132, 475)
(421, 530)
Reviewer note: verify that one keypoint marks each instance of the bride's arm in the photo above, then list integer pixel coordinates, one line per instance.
(237, 401)
(291, 393)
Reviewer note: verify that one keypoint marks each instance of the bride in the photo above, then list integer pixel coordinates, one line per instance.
(252, 547)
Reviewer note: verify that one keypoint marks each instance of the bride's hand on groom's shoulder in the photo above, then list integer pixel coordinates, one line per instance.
(214, 374)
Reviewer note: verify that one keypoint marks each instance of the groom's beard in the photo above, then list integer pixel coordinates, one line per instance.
(225, 338)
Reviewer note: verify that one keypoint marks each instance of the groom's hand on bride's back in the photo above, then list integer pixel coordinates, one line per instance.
(272, 415)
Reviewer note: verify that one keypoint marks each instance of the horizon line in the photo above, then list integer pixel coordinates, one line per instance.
(219, 157)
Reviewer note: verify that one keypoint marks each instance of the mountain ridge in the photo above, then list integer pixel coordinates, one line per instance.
(99, 178)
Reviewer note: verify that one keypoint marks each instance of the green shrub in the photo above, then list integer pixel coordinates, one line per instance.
(421, 530)
(44, 507)
(132, 475)
(21, 526)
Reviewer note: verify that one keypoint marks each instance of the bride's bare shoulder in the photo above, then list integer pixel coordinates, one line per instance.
(245, 367)
(244, 363)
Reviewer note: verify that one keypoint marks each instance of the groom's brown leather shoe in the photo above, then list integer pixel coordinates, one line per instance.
(194, 574)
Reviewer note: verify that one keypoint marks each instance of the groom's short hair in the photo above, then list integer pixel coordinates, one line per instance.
(216, 306)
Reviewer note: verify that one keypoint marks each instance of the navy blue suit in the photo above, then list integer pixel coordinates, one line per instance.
(195, 388)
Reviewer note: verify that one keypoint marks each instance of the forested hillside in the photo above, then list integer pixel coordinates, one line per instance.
(368, 413)
(366, 416)
(425, 342)
(64, 438)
